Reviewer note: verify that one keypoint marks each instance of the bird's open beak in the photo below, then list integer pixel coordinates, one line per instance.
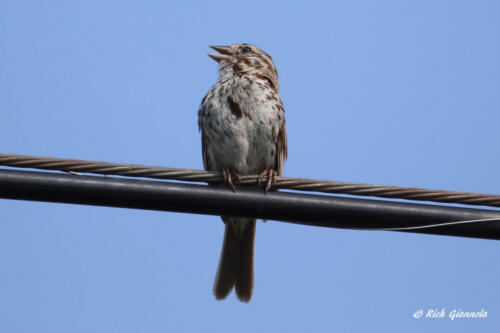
(224, 53)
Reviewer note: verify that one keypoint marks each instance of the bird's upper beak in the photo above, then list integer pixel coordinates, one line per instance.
(224, 53)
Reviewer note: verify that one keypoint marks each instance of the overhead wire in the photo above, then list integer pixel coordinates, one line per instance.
(297, 184)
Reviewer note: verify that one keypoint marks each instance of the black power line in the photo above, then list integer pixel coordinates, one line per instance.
(308, 209)
(298, 184)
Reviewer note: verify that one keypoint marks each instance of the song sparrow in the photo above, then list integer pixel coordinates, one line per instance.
(242, 125)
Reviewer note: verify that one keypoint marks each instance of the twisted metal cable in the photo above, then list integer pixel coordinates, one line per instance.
(300, 184)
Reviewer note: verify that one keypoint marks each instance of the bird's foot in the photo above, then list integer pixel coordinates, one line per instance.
(271, 179)
(228, 176)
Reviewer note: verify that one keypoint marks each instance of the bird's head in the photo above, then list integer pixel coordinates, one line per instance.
(240, 59)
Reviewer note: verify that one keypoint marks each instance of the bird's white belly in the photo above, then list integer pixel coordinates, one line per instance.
(246, 144)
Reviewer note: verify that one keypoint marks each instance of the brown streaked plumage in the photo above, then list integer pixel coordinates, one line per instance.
(242, 125)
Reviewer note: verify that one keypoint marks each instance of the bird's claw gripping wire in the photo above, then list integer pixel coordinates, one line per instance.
(271, 179)
(228, 176)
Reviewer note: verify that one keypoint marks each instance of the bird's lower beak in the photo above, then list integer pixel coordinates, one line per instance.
(223, 54)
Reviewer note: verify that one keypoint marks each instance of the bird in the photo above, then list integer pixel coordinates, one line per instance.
(242, 125)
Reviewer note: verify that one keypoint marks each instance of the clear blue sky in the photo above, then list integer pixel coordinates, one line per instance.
(387, 92)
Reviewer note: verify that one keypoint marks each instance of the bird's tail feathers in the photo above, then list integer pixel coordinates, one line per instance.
(236, 260)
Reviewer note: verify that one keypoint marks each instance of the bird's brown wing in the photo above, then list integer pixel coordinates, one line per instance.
(206, 160)
(202, 112)
(281, 144)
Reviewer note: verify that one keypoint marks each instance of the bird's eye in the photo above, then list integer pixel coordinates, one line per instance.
(246, 49)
